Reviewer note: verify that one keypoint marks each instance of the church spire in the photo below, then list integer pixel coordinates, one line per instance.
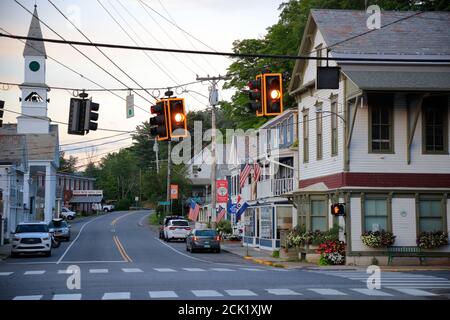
(32, 47)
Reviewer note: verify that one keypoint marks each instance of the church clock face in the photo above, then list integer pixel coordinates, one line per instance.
(34, 66)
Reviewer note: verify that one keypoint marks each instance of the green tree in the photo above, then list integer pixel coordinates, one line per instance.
(67, 165)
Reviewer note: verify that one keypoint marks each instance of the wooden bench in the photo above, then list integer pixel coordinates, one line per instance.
(396, 251)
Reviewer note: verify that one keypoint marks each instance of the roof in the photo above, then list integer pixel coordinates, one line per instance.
(13, 148)
(86, 199)
(40, 146)
(281, 117)
(33, 47)
(404, 81)
(419, 33)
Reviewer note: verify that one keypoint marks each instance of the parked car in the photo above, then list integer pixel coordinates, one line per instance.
(203, 239)
(60, 229)
(67, 214)
(32, 237)
(108, 207)
(165, 222)
(176, 229)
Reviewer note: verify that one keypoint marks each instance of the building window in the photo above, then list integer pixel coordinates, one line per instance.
(318, 215)
(305, 136)
(266, 223)
(375, 215)
(284, 219)
(431, 215)
(434, 125)
(319, 54)
(319, 133)
(381, 123)
(334, 129)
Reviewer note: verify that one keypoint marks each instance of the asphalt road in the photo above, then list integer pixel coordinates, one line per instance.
(120, 257)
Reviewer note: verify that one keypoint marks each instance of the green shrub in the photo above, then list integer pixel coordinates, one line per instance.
(276, 254)
(123, 204)
(224, 227)
(323, 261)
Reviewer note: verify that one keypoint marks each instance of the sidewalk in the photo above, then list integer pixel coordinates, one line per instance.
(265, 258)
(5, 251)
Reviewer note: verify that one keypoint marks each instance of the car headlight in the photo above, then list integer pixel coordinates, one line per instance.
(16, 239)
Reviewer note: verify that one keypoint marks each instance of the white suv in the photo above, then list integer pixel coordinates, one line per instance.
(176, 229)
(32, 237)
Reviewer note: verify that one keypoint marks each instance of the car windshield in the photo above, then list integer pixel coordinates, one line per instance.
(180, 223)
(23, 228)
(206, 233)
(57, 224)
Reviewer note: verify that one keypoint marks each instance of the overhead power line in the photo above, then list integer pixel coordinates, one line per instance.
(231, 54)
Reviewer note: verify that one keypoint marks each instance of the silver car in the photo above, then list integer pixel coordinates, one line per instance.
(31, 237)
(60, 229)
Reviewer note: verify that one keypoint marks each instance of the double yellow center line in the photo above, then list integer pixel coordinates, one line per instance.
(122, 251)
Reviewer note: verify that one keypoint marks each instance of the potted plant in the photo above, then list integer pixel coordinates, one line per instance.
(331, 252)
(378, 239)
(432, 240)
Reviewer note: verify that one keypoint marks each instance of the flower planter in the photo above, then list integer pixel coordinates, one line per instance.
(378, 239)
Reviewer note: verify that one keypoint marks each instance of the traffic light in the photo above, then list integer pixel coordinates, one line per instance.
(159, 123)
(255, 95)
(177, 115)
(2, 105)
(91, 115)
(77, 115)
(338, 209)
(272, 94)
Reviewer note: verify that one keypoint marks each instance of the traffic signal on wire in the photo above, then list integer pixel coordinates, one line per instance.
(77, 115)
(255, 94)
(160, 124)
(177, 115)
(338, 209)
(272, 94)
(91, 117)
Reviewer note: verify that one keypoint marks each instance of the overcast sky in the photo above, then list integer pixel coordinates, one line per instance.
(217, 23)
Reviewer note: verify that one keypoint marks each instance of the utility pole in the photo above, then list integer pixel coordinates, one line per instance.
(169, 164)
(213, 100)
(156, 149)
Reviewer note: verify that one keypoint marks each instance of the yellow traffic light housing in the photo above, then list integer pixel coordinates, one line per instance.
(177, 118)
(272, 94)
(159, 123)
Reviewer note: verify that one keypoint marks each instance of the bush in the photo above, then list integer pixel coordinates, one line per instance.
(378, 239)
(432, 240)
(224, 227)
(276, 254)
(123, 204)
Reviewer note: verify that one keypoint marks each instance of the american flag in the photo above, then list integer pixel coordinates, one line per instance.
(256, 171)
(244, 174)
(220, 214)
(194, 209)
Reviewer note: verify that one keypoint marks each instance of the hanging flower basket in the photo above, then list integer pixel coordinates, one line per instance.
(378, 239)
(432, 240)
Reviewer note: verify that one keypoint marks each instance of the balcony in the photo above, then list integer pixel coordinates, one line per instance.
(280, 186)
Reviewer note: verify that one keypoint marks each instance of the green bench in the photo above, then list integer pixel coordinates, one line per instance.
(396, 251)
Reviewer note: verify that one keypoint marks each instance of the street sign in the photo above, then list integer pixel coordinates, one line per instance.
(130, 106)
(164, 203)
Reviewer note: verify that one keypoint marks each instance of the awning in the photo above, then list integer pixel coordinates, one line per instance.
(400, 80)
(86, 199)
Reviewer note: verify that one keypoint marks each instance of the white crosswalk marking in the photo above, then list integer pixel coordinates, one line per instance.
(328, 292)
(98, 270)
(162, 294)
(34, 272)
(194, 269)
(6, 273)
(240, 292)
(251, 269)
(36, 297)
(221, 269)
(164, 269)
(206, 293)
(65, 271)
(130, 270)
(374, 292)
(415, 292)
(283, 292)
(74, 296)
(116, 296)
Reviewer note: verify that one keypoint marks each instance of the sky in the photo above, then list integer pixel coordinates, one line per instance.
(216, 23)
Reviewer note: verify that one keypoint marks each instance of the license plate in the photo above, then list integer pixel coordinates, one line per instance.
(207, 246)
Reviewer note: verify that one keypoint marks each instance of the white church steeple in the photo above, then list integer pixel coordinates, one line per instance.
(34, 90)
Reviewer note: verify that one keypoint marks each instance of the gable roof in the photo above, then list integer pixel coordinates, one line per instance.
(33, 47)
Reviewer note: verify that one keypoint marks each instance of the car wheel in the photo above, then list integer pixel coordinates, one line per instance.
(70, 217)
(193, 250)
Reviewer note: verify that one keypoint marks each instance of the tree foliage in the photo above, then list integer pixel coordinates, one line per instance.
(67, 165)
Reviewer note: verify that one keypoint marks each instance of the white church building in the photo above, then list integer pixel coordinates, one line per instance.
(28, 163)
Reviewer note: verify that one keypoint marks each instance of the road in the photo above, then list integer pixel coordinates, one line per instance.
(120, 257)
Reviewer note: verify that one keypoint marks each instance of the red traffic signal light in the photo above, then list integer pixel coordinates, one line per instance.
(255, 95)
(273, 94)
(177, 115)
(159, 124)
(338, 209)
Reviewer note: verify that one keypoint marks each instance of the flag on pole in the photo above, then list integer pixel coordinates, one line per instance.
(194, 209)
(244, 174)
(256, 171)
(241, 211)
(220, 214)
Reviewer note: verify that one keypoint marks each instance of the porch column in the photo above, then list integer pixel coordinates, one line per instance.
(26, 190)
(50, 192)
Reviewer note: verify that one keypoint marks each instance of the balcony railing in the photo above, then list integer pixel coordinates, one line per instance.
(280, 186)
